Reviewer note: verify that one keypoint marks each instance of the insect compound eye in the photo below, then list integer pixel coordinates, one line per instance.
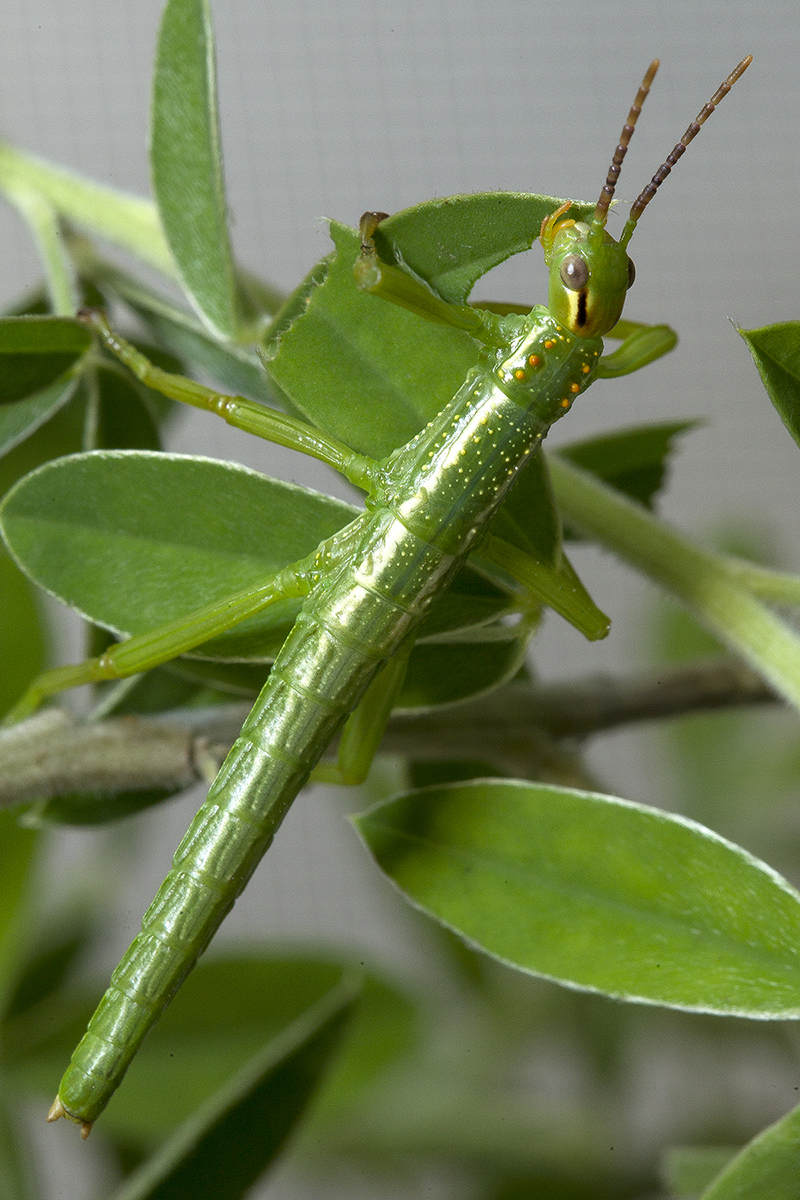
(631, 272)
(574, 272)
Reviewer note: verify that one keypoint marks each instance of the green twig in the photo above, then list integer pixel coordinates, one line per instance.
(127, 221)
(703, 581)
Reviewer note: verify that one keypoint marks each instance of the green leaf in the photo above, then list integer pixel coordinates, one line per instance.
(35, 351)
(386, 372)
(123, 420)
(529, 518)
(169, 687)
(386, 1029)
(84, 809)
(471, 601)
(776, 353)
(134, 539)
(634, 461)
(454, 240)
(236, 680)
(61, 434)
(21, 638)
(447, 672)
(186, 162)
(228, 1143)
(598, 893)
(19, 420)
(128, 221)
(769, 1167)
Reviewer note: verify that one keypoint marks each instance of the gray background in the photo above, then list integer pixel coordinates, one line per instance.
(329, 108)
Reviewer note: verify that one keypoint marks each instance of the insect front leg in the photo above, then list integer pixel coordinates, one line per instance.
(407, 291)
(641, 344)
(257, 419)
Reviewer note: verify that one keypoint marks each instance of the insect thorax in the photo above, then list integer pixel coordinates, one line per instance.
(548, 367)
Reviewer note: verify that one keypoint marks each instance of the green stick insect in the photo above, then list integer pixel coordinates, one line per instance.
(365, 590)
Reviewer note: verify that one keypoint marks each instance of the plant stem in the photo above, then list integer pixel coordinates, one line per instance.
(519, 727)
(127, 221)
(699, 579)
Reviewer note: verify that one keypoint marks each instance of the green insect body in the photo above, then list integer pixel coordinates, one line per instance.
(367, 590)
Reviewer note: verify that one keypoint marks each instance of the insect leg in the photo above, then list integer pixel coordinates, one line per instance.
(641, 344)
(558, 587)
(244, 414)
(365, 726)
(399, 287)
(148, 650)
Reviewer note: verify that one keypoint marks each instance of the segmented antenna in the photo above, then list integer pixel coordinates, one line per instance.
(646, 195)
(607, 194)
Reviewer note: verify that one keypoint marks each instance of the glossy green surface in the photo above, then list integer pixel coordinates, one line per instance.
(434, 497)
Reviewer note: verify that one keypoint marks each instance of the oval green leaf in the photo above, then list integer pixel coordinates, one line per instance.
(186, 162)
(597, 893)
(134, 539)
(447, 672)
(35, 351)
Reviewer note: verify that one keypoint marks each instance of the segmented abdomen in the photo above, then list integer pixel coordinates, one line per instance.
(346, 631)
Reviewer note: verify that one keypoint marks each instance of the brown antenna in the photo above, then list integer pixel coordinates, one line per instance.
(607, 194)
(646, 195)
